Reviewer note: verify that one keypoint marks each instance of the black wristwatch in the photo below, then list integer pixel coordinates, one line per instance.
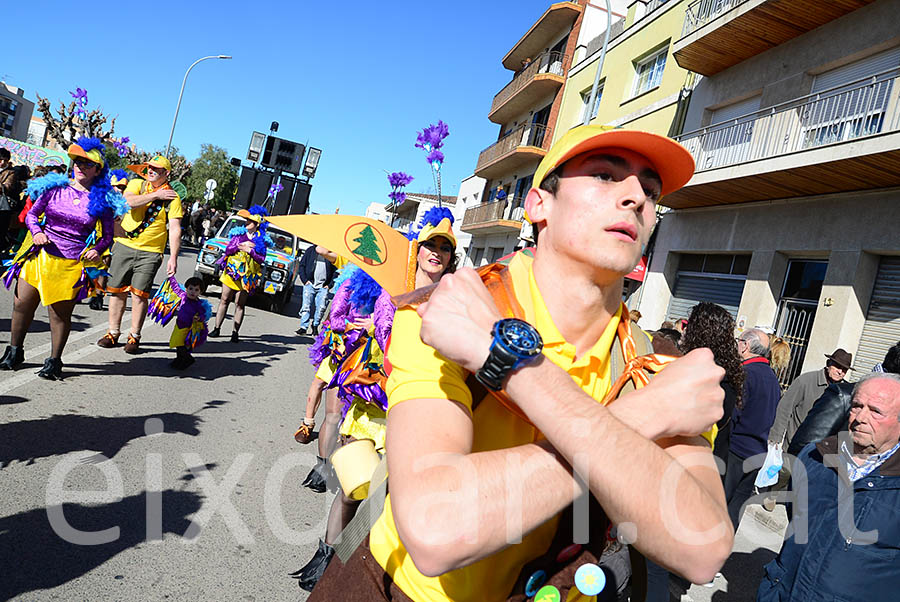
(516, 343)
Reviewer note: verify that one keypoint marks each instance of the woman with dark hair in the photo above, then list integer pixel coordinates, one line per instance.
(710, 325)
(59, 260)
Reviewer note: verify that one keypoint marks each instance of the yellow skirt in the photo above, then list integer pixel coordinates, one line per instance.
(179, 335)
(226, 280)
(55, 278)
(365, 421)
(326, 370)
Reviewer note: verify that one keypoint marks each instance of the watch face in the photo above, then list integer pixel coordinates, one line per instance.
(519, 337)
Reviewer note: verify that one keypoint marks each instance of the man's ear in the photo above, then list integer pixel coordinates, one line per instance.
(537, 204)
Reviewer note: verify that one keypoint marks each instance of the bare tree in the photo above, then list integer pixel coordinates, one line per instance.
(69, 126)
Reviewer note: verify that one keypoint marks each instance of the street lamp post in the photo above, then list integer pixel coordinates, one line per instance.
(589, 109)
(180, 94)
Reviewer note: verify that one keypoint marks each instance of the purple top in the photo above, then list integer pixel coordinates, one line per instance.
(189, 309)
(68, 224)
(342, 312)
(383, 316)
(236, 240)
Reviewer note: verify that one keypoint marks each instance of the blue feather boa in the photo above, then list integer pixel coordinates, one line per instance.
(364, 292)
(103, 197)
(261, 241)
(343, 276)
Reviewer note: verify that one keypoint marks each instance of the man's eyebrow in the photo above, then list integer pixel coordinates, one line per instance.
(650, 174)
(620, 162)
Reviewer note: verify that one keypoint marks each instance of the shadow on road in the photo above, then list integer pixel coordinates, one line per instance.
(8, 400)
(29, 440)
(34, 557)
(744, 572)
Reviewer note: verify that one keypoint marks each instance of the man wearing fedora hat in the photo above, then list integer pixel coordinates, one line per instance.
(804, 391)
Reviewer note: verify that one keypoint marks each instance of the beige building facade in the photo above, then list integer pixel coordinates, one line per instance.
(791, 219)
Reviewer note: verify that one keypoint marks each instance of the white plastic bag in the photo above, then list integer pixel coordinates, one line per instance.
(768, 474)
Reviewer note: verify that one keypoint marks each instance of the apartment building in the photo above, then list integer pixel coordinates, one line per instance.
(525, 110)
(791, 219)
(15, 112)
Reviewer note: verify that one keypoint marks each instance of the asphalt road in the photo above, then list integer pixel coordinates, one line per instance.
(220, 483)
(192, 479)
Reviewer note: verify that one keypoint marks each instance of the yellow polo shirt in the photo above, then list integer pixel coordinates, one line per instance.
(154, 237)
(420, 372)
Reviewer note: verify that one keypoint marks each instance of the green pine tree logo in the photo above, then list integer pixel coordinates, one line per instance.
(368, 247)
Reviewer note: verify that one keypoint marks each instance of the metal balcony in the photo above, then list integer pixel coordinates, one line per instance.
(545, 75)
(720, 33)
(496, 217)
(525, 143)
(843, 139)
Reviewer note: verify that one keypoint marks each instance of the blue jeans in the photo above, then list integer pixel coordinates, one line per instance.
(311, 295)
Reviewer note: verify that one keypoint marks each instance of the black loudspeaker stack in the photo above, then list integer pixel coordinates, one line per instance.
(253, 189)
(300, 203)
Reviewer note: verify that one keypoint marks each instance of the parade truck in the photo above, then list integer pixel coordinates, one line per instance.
(279, 272)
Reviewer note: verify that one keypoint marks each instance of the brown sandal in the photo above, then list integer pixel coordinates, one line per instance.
(109, 340)
(304, 433)
(131, 346)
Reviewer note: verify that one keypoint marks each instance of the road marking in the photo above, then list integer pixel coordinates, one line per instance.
(22, 379)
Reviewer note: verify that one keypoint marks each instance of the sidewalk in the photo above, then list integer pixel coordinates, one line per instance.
(756, 543)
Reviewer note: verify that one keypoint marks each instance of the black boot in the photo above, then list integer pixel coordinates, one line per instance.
(315, 480)
(52, 369)
(234, 336)
(215, 332)
(315, 568)
(96, 303)
(12, 358)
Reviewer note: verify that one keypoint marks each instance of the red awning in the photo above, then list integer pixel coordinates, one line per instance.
(639, 270)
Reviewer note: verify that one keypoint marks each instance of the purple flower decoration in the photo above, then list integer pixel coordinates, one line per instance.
(398, 180)
(121, 145)
(275, 189)
(432, 137)
(81, 99)
(435, 158)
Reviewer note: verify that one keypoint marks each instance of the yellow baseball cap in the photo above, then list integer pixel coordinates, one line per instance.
(444, 228)
(161, 162)
(672, 162)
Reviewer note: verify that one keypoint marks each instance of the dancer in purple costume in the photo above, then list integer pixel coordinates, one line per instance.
(60, 258)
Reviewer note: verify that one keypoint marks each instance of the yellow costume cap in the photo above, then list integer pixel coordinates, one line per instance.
(254, 217)
(123, 181)
(76, 152)
(442, 229)
(157, 161)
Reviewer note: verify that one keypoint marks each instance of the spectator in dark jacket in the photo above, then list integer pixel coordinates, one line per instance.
(10, 190)
(317, 275)
(854, 557)
(751, 422)
(829, 414)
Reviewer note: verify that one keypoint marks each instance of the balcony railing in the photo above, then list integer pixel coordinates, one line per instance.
(546, 62)
(863, 108)
(527, 134)
(510, 208)
(701, 12)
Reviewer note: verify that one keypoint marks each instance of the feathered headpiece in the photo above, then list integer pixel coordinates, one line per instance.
(118, 177)
(437, 221)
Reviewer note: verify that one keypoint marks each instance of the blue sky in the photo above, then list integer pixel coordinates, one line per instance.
(355, 79)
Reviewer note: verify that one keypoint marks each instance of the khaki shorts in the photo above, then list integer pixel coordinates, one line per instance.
(132, 270)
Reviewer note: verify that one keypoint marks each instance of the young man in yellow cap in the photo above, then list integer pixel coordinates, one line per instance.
(137, 255)
(476, 490)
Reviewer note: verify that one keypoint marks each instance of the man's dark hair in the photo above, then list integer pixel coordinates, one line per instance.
(4, 154)
(194, 281)
(550, 183)
(891, 361)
